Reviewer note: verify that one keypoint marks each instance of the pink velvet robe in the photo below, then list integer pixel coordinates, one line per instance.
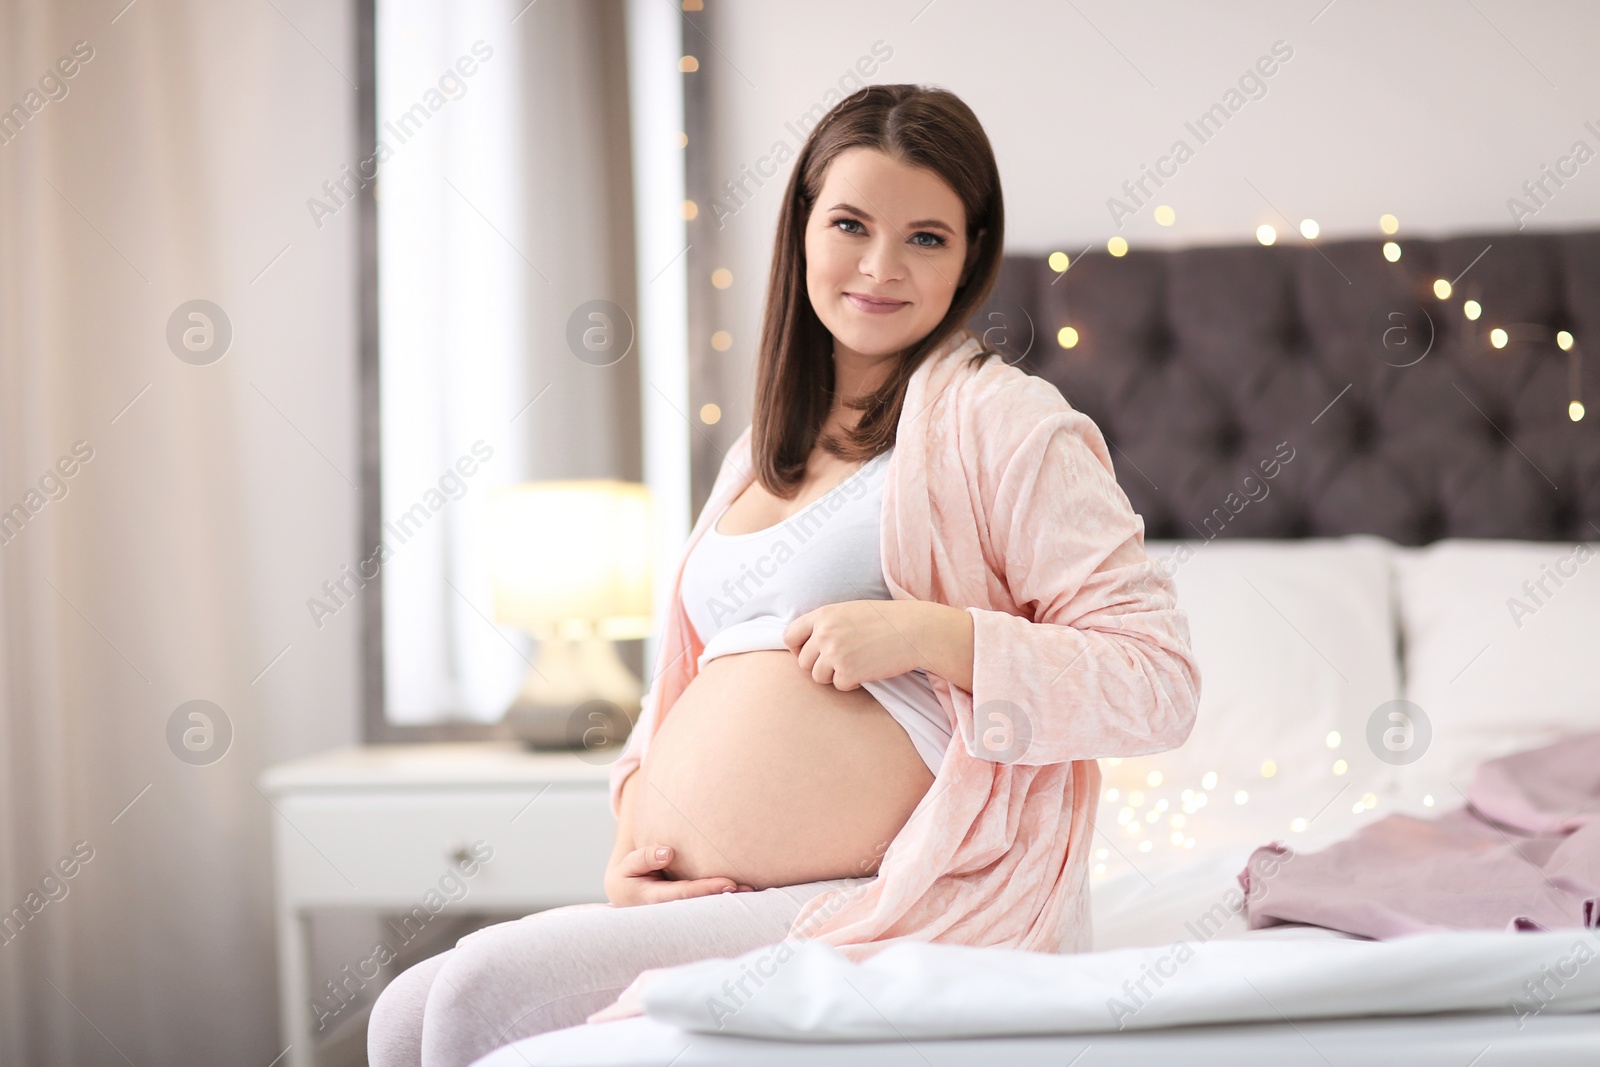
(1000, 499)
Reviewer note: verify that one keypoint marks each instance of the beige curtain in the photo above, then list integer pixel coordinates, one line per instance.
(206, 500)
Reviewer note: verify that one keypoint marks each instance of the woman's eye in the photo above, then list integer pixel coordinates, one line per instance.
(937, 240)
(847, 222)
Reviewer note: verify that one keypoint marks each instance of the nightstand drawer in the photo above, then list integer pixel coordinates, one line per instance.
(534, 847)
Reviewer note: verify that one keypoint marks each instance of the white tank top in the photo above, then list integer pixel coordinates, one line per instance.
(741, 591)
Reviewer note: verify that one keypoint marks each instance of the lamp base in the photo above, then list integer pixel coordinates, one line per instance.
(597, 726)
(579, 695)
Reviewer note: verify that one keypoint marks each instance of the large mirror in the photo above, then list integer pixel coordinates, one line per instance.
(497, 185)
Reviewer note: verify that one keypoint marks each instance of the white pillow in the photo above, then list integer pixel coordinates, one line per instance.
(1296, 641)
(1496, 663)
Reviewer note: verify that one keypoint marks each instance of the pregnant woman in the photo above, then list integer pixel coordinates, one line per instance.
(914, 611)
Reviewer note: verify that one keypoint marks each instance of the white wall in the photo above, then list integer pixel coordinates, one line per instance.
(1430, 111)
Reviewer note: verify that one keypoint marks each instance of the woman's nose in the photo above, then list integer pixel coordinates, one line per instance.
(883, 262)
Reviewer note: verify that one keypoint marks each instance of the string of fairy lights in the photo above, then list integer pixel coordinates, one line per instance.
(1148, 813)
(1497, 337)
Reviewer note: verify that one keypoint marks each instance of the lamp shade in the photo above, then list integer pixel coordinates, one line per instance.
(573, 558)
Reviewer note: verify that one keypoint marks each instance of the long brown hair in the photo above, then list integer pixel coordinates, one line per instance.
(915, 125)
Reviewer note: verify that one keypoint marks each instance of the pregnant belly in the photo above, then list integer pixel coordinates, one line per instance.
(760, 774)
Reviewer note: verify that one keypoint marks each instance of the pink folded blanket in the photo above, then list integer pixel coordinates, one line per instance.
(1522, 854)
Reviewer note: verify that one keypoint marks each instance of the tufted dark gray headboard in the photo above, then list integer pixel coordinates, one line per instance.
(1203, 364)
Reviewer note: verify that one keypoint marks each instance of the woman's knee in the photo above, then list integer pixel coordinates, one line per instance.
(505, 983)
(394, 1029)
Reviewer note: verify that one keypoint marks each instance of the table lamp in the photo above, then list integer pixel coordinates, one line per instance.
(571, 566)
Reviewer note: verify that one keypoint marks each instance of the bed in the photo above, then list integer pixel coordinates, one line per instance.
(1369, 510)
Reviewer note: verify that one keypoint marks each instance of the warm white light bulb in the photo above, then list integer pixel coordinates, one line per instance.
(1309, 229)
(1441, 289)
(1391, 251)
(1266, 234)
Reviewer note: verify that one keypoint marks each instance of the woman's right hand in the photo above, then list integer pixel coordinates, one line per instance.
(637, 878)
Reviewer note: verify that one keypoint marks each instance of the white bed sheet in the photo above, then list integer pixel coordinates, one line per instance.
(919, 990)
(1416, 1041)
(900, 1010)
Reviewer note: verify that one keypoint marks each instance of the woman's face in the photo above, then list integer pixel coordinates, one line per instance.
(885, 246)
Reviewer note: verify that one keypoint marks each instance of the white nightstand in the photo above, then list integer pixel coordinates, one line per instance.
(386, 827)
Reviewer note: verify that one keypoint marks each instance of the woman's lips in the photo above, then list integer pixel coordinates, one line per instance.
(875, 307)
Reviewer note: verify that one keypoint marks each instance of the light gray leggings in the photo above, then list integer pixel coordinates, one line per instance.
(555, 968)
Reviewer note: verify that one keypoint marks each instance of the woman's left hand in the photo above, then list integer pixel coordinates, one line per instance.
(858, 641)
